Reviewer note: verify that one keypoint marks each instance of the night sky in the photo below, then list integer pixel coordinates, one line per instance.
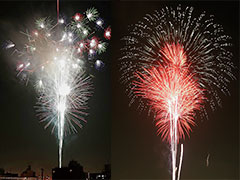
(115, 133)
(24, 141)
(137, 152)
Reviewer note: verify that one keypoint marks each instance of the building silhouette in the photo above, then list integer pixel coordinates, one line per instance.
(73, 171)
(28, 173)
(105, 174)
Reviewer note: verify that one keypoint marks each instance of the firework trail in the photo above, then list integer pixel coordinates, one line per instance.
(176, 65)
(173, 94)
(180, 162)
(56, 59)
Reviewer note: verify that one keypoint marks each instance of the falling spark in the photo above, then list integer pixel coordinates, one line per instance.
(207, 160)
(8, 45)
(107, 33)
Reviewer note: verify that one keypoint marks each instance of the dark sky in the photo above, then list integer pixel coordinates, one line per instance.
(137, 153)
(23, 139)
(115, 132)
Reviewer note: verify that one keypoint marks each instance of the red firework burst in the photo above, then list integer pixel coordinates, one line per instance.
(171, 91)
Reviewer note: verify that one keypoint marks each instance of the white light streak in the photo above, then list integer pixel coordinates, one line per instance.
(20, 66)
(99, 23)
(77, 17)
(98, 63)
(99, 46)
(42, 25)
(85, 31)
(91, 51)
(180, 164)
(93, 43)
(89, 15)
(28, 64)
(40, 83)
(79, 25)
(61, 21)
(64, 89)
(107, 33)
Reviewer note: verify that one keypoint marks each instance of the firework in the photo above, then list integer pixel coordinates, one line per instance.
(172, 93)
(56, 58)
(176, 65)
